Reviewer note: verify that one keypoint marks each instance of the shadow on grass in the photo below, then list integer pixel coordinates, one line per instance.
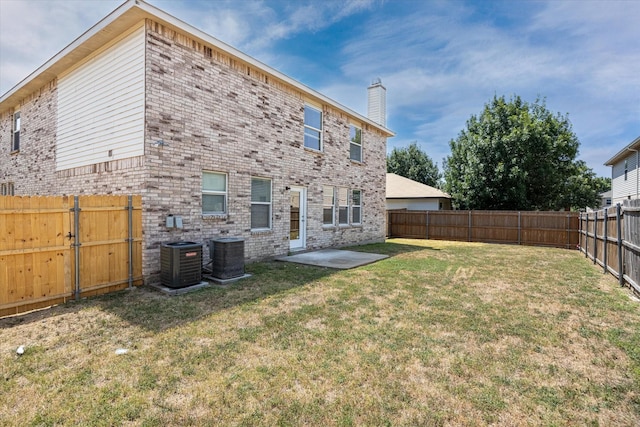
(156, 312)
(391, 248)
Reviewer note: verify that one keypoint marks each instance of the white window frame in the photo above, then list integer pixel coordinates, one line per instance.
(310, 128)
(343, 205)
(257, 202)
(329, 189)
(11, 190)
(216, 193)
(354, 206)
(16, 124)
(352, 143)
(4, 189)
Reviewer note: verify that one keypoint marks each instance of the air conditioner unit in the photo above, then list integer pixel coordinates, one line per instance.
(180, 264)
(227, 258)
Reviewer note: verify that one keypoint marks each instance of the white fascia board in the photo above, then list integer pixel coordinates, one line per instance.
(47, 71)
(50, 69)
(189, 29)
(625, 152)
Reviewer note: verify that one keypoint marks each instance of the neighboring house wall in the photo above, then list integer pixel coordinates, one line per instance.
(203, 110)
(625, 186)
(419, 204)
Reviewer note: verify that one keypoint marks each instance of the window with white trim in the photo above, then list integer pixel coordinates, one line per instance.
(356, 206)
(312, 128)
(214, 193)
(343, 206)
(355, 143)
(15, 134)
(11, 189)
(328, 205)
(260, 204)
(3, 189)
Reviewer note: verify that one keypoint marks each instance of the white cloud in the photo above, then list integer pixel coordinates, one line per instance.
(32, 32)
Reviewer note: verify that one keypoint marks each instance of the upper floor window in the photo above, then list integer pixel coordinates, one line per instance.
(15, 135)
(328, 205)
(355, 143)
(343, 206)
(260, 203)
(626, 169)
(312, 128)
(214, 193)
(356, 206)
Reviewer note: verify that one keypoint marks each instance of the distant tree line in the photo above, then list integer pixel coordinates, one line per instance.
(512, 156)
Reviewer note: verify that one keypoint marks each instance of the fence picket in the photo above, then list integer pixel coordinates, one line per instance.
(36, 262)
(511, 227)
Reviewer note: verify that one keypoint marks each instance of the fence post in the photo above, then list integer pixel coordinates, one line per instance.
(606, 237)
(427, 225)
(580, 231)
(519, 227)
(130, 239)
(595, 237)
(619, 227)
(586, 235)
(76, 244)
(469, 225)
(568, 228)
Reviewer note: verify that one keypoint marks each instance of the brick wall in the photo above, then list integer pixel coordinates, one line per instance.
(32, 168)
(215, 114)
(211, 113)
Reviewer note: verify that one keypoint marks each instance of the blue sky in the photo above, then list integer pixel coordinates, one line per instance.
(440, 61)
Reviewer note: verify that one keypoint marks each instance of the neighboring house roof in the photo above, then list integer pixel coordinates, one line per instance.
(399, 187)
(625, 152)
(606, 194)
(120, 20)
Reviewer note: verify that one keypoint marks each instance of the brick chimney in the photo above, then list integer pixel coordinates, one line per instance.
(377, 102)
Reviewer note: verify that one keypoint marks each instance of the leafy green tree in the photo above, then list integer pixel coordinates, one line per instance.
(413, 163)
(583, 188)
(517, 156)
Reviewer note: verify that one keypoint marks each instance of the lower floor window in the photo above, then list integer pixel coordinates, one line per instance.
(328, 205)
(7, 189)
(214, 193)
(260, 203)
(356, 206)
(343, 206)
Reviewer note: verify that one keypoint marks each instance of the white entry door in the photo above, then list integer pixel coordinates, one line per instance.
(298, 221)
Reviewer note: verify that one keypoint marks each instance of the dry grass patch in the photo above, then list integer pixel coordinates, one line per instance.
(440, 333)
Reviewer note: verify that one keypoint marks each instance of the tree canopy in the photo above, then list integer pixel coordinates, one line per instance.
(413, 163)
(518, 156)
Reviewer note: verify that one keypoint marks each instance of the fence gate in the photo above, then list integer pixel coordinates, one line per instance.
(60, 247)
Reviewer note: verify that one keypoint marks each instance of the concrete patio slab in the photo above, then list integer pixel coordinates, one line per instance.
(334, 258)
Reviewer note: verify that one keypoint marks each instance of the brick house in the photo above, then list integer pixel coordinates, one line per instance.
(143, 103)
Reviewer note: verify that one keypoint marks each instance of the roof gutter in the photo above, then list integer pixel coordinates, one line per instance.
(53, 67)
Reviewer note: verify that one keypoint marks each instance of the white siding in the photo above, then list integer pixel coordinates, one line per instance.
(623, 189)
(101, 106)
(414, 204)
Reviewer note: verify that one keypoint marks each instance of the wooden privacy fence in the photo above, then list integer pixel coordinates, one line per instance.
(57, 247)
(557, 229)
(611, 238)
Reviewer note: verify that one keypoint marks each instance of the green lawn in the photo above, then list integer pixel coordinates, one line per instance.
(440, 333)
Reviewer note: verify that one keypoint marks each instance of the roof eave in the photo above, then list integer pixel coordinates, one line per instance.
(126, 15)
(635, 145)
